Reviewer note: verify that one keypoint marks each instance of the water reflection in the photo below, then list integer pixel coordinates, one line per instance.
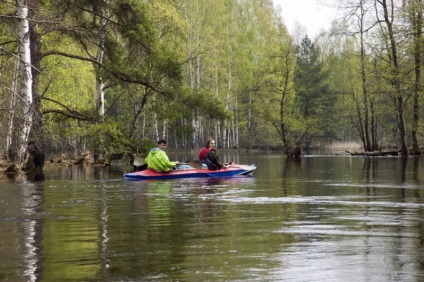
(325, 218)
(53, 172)
(20, 228)
(32, 197)
(103, 232)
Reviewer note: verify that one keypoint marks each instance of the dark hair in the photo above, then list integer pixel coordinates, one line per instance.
(162, 141)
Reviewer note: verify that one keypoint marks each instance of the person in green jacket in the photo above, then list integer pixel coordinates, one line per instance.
(158, 160)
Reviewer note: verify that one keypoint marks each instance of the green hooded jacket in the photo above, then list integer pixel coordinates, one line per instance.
(158, 161)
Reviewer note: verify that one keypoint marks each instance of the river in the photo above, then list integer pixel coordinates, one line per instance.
(323, 218)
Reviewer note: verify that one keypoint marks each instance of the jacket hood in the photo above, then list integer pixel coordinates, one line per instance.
(155, 150)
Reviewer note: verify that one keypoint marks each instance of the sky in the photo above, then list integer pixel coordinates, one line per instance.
(311, 14)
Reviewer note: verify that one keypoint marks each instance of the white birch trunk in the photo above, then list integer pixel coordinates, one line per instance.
(164, 130)
(249, 121)
(235, 124)
(194, 125)
(100, 97)
(227, 139)
(99, 58)
(192, 85)
(143, 127)
(26, 80)
(9, 137)
(156, 127)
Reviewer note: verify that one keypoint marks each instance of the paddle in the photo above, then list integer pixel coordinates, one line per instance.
(138, 161)
(139, 164)
(195, 164)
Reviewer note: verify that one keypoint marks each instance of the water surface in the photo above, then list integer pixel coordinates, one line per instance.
(324, 218)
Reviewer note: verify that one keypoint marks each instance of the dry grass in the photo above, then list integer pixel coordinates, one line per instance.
(344, 145)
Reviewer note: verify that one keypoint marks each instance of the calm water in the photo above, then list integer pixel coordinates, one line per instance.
(326, 218)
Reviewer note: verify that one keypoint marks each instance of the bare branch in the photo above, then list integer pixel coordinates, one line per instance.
(68, 112)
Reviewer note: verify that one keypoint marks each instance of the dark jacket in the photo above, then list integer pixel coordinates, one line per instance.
(212, 160)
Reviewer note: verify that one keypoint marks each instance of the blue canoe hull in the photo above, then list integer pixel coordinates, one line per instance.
(234, 170)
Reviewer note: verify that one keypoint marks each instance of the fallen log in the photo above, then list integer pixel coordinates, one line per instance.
(374, 153)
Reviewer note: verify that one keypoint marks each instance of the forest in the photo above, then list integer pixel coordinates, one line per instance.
(110, 77)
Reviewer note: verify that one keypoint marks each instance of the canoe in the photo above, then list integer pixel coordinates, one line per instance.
(233, 170)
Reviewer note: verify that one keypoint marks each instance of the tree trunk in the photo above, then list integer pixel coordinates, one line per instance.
(249, 122)
(417, 24)
(365, 99)
(99, 58)
(12, 106)
(35, 162)
(100, 84)
(17, 151)
(400, 101)
(373, 126)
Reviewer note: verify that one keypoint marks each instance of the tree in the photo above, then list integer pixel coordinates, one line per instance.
(363, 98)
(136, 37)
(22, 116)
(315, 100)
(395, 70)
(278, 100)
(415, 17)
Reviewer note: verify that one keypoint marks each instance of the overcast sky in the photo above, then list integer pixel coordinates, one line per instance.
(311, 14)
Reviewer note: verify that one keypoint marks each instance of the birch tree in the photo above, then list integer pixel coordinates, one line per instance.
(23, 113)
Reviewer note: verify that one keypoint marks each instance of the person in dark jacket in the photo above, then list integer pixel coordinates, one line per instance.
(212, 160)
(209, 145)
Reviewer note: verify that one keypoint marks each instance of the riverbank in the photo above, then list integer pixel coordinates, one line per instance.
(88, 159)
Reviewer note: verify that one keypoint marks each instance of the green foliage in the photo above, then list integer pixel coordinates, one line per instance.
(195, 69)
(108, 133)
(144, 146)
(72, 82)
(316, 101)
(205, 103)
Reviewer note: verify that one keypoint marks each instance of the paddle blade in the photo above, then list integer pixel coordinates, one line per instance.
(196, 164)
(138, 161)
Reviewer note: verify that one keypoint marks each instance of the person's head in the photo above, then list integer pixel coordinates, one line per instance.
(162, 143)
(210, 143)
